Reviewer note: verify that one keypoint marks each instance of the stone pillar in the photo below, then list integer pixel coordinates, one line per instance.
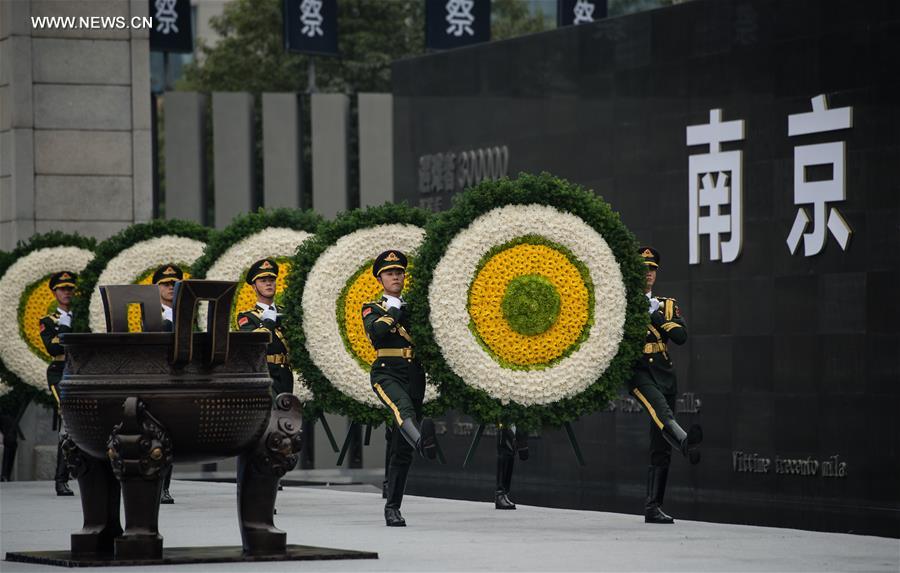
(282, 160)
(185, 141)
(330, 160)
(75, 132)
(233, 155)
(376, 149)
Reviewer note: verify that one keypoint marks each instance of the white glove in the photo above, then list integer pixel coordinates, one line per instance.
(654, 305)
(270, 314)
(393, 302)
(65, 319)
(167, 314)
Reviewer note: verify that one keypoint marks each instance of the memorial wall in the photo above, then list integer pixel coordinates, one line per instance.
(756, 145)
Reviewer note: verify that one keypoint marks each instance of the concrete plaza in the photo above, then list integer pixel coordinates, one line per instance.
(448, 535)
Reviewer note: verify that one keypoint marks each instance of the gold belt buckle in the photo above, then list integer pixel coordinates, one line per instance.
(407, 353)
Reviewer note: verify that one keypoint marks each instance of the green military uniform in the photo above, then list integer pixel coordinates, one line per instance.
(398, 380)
(278, 351)
(655, 386)
(51, 329)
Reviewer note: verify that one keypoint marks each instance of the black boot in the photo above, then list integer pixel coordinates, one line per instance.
(505, 463)
(62, 489)
(62, 473)
(165, 496)
(684, 442)
(656, 491)
(388, 438)
(9, 458)
(424, 441)
(396, 487)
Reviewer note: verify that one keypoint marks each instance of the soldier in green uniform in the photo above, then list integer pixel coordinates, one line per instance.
(262, 276)
(58, 322)
(398, 379)
(165, 278)
(655, 387)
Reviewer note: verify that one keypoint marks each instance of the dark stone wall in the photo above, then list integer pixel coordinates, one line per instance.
(791, 357)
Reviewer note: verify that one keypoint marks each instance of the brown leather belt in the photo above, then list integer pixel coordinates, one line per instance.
(277, 359)
(407, 353)
(59, 358)
(654, 347)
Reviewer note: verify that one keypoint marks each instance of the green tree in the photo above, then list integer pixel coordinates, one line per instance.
(511, 18)
(250, 54)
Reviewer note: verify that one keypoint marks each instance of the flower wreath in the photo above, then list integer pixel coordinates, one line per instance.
(277, 234)
(131, 257)
(25, 298)
(331, 277)
(527, 295)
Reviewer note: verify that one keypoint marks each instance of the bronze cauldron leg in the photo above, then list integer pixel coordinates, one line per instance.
(100, 496)
(258, 473)
(139, 449)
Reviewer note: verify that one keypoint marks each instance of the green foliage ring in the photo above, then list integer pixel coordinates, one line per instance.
(530, 304)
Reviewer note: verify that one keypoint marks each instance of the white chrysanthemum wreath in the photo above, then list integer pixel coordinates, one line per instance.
(328, 277)
(275, 242)
(132, 262)
(331, 278)
(29, 269)
(449, 298)
(530, 291)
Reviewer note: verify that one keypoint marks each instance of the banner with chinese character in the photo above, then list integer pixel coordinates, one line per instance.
(573, 12)
(456, 23)
(310, 26)
(172, 30)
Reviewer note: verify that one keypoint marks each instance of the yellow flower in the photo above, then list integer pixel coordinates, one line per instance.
(489, 287)
(39, 303)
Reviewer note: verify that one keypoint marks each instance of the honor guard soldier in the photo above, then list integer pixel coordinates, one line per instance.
(398, 379)
(655, 387)
(262, 276)
(58, 322)
(165, 278)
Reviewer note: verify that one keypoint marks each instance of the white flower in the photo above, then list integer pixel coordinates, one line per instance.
(128, 266)
(448, 298)
(27, 270)
(275, 242)
(323, 287)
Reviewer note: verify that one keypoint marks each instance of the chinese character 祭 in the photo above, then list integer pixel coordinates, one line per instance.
(819, 193)
(460, 18)
(166, 16)
(311, 17)
(715, 183)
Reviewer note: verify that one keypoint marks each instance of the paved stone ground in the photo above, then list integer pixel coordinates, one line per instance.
(449, 535)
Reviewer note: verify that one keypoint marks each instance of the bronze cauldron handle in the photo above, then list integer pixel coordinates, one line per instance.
(188, 293)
